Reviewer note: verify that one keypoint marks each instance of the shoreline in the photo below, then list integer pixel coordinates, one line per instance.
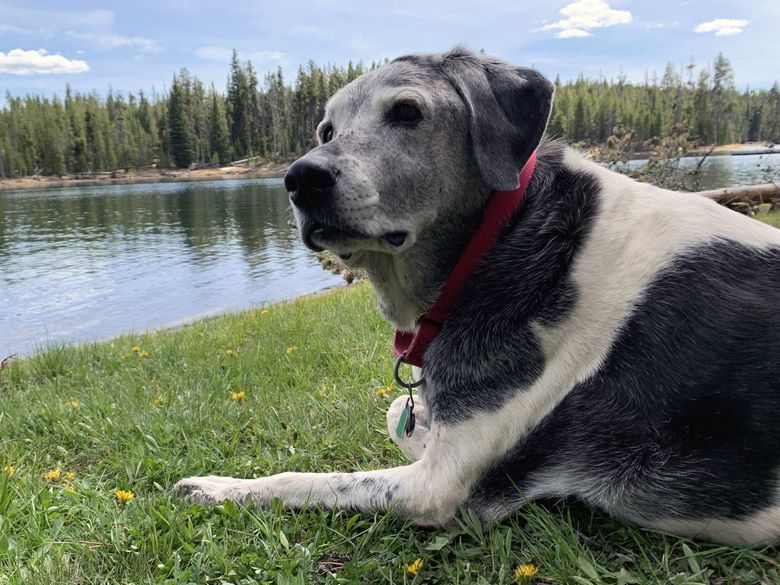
(176, 325)
(135, 177)
(711, 150)
(261, 171)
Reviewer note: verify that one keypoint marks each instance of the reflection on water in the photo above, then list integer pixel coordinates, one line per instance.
(86, 263)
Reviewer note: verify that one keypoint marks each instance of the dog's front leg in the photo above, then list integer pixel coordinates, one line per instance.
(409, 490)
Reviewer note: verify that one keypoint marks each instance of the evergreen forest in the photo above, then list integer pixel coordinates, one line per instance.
(190, 124)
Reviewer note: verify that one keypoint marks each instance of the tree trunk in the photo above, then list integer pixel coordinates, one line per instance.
(753, 194)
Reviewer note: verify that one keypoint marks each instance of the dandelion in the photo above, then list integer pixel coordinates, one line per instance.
(384, 391)
(136, 349)
(158, 400)
(231, 352)
(69, 476)
(9, 470)
(414, 568)
(124, 496)
(52, 475)
(525, 572)
(292, 349)
(264, 312)
(238, 396)
(143, 354)
(72, 404)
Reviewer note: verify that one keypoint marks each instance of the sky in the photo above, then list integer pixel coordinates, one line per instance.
(127, 46)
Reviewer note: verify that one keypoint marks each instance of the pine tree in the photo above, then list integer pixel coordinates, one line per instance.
(179, 117)
(238, 107)
(219, 145)
(722, 99)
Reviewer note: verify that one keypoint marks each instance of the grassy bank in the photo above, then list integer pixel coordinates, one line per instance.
(138, 413)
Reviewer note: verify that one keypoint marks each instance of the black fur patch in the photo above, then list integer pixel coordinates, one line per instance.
(682, 419)
(487, 347)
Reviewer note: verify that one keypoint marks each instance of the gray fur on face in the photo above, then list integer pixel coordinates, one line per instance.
(481, 119)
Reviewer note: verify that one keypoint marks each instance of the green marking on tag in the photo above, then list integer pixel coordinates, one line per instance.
(401, 428)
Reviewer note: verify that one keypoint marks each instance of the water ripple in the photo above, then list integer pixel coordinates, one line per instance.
(81, 264)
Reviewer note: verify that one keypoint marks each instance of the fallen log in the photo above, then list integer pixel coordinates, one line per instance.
(753, 194)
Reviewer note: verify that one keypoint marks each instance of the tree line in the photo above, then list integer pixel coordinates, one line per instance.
(192, 124)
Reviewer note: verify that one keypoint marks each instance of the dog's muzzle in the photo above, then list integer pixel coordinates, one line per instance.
(309, 184)
(311, 187)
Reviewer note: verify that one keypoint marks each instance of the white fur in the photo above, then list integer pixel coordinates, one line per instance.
(759, 527)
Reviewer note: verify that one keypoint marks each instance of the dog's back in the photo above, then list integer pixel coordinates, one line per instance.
(668, 343)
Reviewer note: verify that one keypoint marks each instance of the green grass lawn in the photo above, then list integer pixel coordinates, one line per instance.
(139, 413)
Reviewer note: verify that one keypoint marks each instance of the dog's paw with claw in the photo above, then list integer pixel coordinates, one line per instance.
(212, 489)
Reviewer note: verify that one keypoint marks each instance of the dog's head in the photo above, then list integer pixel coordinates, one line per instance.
(411, 142)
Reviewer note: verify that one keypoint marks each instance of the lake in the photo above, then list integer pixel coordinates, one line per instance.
(82, 264)
(730, 171)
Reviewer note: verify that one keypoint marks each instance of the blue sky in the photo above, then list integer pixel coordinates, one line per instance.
(138, 45)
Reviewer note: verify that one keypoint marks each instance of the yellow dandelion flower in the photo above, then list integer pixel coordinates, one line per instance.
(231, 352)
(136, 349)
(264, 312)
(414, 568)
(292, 349)
(143, 354)
(52, 475)
(384, 391)
(525, 571)
(238, 396)
(158, 400)
(72, 404)
(69, 476)
(124, 496)
(9, 470)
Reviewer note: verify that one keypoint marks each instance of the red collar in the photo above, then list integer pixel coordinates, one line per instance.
(411, 347)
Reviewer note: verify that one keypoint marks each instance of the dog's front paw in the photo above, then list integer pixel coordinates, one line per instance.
(212, 489)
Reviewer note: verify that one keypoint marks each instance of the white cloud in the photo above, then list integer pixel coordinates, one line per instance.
(722, 27)
(213, 53)
(585, 15)
(223, 54)
(105, 42)
(571, 33)
(40, 62)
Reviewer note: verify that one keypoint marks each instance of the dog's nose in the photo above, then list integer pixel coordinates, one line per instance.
(308, 183)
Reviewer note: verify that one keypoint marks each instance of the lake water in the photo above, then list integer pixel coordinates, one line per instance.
(730, 171)
(82, 264)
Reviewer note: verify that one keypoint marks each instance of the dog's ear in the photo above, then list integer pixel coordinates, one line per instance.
(509, 107)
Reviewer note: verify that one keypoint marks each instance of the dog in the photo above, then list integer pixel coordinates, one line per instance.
(618, 343)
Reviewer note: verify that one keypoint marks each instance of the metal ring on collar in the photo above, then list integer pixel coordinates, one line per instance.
(398, 379)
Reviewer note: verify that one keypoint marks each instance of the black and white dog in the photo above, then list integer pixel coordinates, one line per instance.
(619, 343)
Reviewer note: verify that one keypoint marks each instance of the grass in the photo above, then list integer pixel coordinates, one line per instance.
(772, 218)
(120, 418)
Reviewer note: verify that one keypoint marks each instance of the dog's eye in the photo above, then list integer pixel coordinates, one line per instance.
(405, 113)
(327, 133)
